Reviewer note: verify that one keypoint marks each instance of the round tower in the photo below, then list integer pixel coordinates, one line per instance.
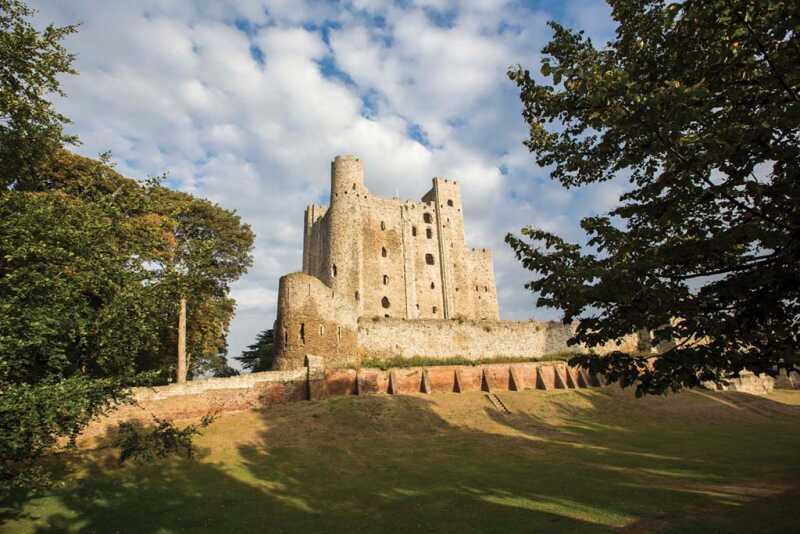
(347, 178)
(345, 257)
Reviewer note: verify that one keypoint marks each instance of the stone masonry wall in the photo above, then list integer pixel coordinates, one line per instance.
(473, 340)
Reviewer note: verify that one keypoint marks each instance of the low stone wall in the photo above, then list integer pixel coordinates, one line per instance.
(473, 340)
(258, 390)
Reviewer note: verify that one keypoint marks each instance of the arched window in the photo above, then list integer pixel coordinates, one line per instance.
(429, 233)
(450, 202)
(385, 280)
(427, 218)
(384, 253)
(433, 286)
(429, 259)
(385, 302)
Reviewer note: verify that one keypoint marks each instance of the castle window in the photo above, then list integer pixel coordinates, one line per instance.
(384, 253)
(427, 218)
(386, 315)
(358, 297)
(433, 286)
(385, 302)
(429, 259)
(435, 309)
(333, 270)
(383, 225)
(354, 188)
(429, 233)
(450, 202)
(321, 330)
(414, 231)
(285, 337)
(486, 289)
(303, 333)
(476, 288)
(385, 280)
(338, 334)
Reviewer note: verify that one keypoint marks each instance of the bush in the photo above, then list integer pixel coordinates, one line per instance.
(143, 445)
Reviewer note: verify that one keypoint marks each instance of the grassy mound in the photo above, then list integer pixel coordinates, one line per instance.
(565, 461)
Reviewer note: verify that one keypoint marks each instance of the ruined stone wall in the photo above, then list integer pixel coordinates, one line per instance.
(473, 340)
(482, 288)
(315, 241)
(312, 318)
(386, 338)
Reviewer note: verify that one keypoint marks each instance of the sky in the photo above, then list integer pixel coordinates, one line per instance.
(246, 102)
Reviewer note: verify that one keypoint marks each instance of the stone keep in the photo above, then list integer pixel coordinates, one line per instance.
(393, 278)
(371, 257)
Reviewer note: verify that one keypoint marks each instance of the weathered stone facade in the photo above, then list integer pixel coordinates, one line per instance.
(390, 277)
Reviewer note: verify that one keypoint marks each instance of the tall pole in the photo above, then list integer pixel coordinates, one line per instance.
(182, 342)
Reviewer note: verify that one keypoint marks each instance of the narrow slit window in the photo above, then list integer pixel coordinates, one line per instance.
(414, 231)
(321, 330)
(429, 233)
(338, 333)
(385, 280)
(429, 259)
(333, 270)
(383, 225)
(358, 296)
(384, 252)
(433, 286)
(303, 333)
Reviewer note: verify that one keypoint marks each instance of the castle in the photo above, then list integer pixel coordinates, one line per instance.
(389, 277)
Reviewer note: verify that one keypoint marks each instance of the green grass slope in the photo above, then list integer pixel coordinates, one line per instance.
(565, 461)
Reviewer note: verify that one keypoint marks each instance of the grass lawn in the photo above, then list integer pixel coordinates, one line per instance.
(565, 461)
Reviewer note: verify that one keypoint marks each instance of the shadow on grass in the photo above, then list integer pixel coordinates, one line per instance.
(393, 464)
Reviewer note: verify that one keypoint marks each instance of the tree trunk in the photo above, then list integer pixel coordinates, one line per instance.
(182, 343)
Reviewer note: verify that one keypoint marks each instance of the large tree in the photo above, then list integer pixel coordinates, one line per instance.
(212, 249)
(698, 103)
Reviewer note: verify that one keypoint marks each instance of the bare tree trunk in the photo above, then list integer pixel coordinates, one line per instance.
(182, 343)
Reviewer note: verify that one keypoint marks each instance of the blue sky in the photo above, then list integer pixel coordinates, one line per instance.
(246, 102)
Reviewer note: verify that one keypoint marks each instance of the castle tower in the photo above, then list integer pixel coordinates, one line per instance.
(344, 259)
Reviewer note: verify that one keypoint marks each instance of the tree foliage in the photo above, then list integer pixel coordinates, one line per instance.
(260, 355)
(31, 130)
(92, 265)
(697, 102)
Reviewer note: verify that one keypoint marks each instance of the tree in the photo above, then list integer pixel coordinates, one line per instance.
(259, 355)
(212, 249)
(31, 131)
(698, 103)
